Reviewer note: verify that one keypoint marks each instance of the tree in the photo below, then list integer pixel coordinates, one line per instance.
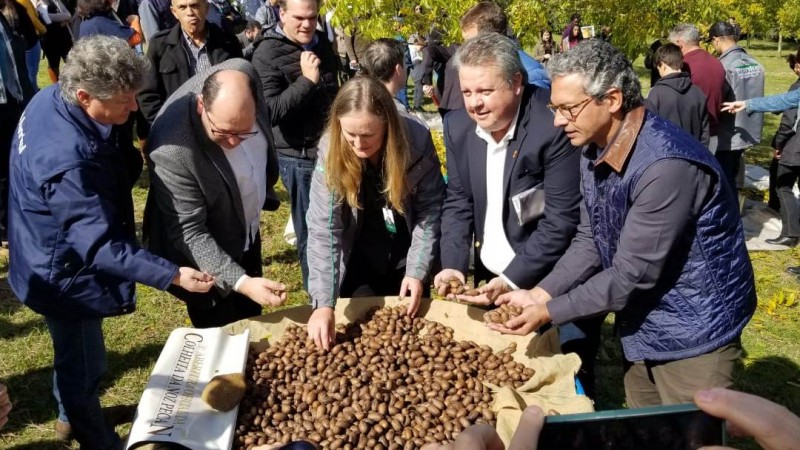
(634, 23)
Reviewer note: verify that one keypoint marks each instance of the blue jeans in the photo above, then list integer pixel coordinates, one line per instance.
(79, 361)
(296, 177)
(32, 58)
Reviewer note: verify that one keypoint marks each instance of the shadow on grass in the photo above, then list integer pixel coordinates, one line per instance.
(285, 256)
(8, 301)
(776, 378)
(10, 330)
(31, 392)
(9, 305)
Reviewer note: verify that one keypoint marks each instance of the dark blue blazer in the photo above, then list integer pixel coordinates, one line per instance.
(538, 153)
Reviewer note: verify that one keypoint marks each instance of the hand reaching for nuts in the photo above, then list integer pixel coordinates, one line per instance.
(321, 327)
(484, 437)
(412, 287)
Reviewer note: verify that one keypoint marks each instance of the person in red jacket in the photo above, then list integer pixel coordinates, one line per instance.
(706, 70)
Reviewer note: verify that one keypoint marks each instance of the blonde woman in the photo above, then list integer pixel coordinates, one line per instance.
(376, 198)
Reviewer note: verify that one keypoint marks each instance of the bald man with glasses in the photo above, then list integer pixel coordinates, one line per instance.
(212, 170)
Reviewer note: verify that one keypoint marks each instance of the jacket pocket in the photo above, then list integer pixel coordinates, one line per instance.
(71, 280)
(167, 66)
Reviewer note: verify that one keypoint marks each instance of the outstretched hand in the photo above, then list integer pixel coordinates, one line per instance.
(734, 107)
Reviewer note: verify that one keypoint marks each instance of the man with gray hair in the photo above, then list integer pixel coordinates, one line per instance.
(707, 73)
(74, 257)
(660, 241)
(512, 191)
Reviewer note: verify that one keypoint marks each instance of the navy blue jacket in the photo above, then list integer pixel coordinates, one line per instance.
(702, 300)
(538, 153)
(105, 25)
(71, 225)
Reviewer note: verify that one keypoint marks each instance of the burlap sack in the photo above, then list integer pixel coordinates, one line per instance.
(552, 386)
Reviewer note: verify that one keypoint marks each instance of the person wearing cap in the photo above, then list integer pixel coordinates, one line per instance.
(745, 79)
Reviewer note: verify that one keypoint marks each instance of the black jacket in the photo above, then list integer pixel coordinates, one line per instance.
(298, 108)
(169, 66)
(448, 87)
(540, 155)
(676, 99)
(786, 139)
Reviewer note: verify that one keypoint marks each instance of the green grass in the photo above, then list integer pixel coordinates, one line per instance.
(771, 340)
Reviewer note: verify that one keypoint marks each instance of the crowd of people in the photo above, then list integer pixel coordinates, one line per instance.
(568, 193)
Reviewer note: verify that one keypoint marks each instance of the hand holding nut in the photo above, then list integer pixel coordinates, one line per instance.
(502, 314)
(263, 291)
(447, 282)
(486, 294)
(529, 320)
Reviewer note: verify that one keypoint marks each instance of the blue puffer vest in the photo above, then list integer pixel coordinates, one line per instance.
(706, 294)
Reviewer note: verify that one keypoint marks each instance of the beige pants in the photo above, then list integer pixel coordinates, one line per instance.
(653, 383)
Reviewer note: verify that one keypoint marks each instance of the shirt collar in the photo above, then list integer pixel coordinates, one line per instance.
(487, 136)
(188, 39)
(103, 129)
(619, 149)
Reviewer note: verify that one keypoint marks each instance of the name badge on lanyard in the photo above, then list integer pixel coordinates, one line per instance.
(388, 220)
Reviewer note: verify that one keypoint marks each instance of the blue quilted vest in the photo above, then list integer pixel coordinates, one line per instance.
(706, 293)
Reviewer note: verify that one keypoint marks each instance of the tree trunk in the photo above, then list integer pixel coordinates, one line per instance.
(780, 42)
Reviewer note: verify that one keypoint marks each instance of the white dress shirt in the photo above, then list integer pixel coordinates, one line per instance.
(496, 252)
(249, 163)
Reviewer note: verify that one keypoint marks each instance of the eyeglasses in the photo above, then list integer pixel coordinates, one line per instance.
(228, 134)
(568, 112)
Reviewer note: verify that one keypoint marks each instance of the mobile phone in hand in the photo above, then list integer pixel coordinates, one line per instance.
(673, 427)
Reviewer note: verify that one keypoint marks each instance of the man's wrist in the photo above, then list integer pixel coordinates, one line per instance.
(237, 286)
(508, 282)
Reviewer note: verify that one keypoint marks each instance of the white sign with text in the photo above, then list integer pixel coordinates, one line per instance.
(171, 409)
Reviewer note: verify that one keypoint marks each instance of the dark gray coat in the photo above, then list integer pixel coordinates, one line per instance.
(194, 214)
